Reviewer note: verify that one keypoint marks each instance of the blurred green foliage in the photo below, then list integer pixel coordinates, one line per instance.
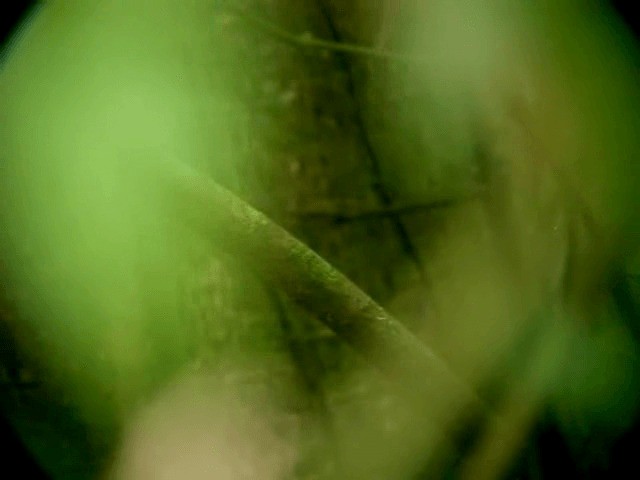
(114, 298)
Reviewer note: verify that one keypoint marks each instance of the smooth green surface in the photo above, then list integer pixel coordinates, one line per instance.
(86, 91)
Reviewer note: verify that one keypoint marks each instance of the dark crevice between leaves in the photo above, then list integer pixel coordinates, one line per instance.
(377, 184)
(310, 371)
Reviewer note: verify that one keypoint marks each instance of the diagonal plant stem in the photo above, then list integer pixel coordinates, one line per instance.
(290, 266)
(520, 406)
